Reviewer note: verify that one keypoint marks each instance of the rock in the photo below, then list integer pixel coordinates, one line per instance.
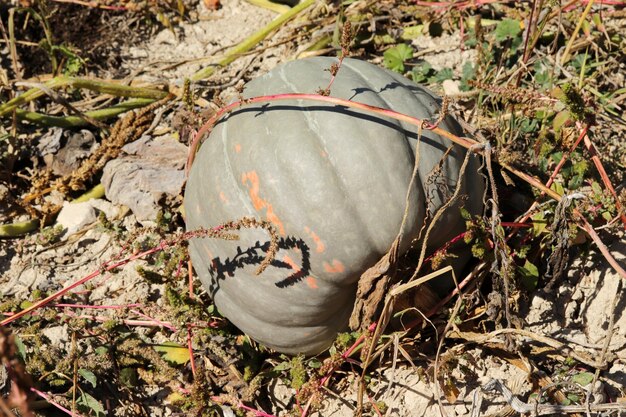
(63, 151)
(49, 142)
(75, 216)
(450, 87)
(58, 335)
(151, 170)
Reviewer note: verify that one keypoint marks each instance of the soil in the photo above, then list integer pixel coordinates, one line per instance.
(584, 313)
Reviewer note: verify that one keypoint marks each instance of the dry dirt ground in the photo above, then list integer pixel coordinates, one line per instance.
(583, 319)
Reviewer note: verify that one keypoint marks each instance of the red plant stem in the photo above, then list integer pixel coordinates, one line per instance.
(306, 407)
(190, 348)
(208, 126)
(605, 178)
(257, 413)
(159, 322)
(555, 172)
(605, 251)
(371, 400)
(105, 268)
(49, 399)
(565, 156)
(111, 307)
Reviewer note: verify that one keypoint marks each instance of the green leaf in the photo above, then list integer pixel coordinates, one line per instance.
(507, 28)
(441, 76)
(314, 363)
(395, 57)
(89, 376)
(283, 366)
(88, 403)
(422, 72)
(129, 377)
(173, 352)
(557, 188)
(102, 350)
(595, 187)
(530, 275)
(583, 378)
(560, 119)
(21, 348)
(412, 32)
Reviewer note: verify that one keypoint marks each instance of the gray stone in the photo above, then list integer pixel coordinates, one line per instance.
(151, 170)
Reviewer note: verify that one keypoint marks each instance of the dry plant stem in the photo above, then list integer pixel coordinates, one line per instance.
(100, 86)
(531, 28)
(92, 4)
(549, 409)
(478, 269)
(565, 56)
(449, 325)
(563, 349)
(12, 44)
(251, 41)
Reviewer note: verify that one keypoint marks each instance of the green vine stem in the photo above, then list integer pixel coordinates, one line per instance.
(100, 86)
(75, 121)
(251, 41)
(21, 228)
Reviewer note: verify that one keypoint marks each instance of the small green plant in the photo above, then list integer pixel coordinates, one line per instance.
(425, 73)
(394, 58)
(50, 235)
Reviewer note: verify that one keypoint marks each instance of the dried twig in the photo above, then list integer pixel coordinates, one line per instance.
(547, 409)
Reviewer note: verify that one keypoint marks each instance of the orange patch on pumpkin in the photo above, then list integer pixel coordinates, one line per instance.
(223, 197)
(237, 148)
(251, 180)
(336, 267)
(291, 263)
(311, 282)
(319, 245)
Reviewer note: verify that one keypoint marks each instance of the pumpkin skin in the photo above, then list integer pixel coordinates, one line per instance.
(332, 181)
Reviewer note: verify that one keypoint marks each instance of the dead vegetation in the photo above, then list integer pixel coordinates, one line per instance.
(539, 84)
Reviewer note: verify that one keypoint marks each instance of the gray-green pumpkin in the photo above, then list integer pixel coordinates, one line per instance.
(332, 181)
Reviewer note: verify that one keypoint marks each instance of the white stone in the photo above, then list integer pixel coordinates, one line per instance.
(450, 87)
(75, 216)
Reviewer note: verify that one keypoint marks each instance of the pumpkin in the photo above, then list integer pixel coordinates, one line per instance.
(333, 183)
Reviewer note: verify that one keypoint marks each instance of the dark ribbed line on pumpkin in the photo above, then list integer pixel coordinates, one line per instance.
(413, 152)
